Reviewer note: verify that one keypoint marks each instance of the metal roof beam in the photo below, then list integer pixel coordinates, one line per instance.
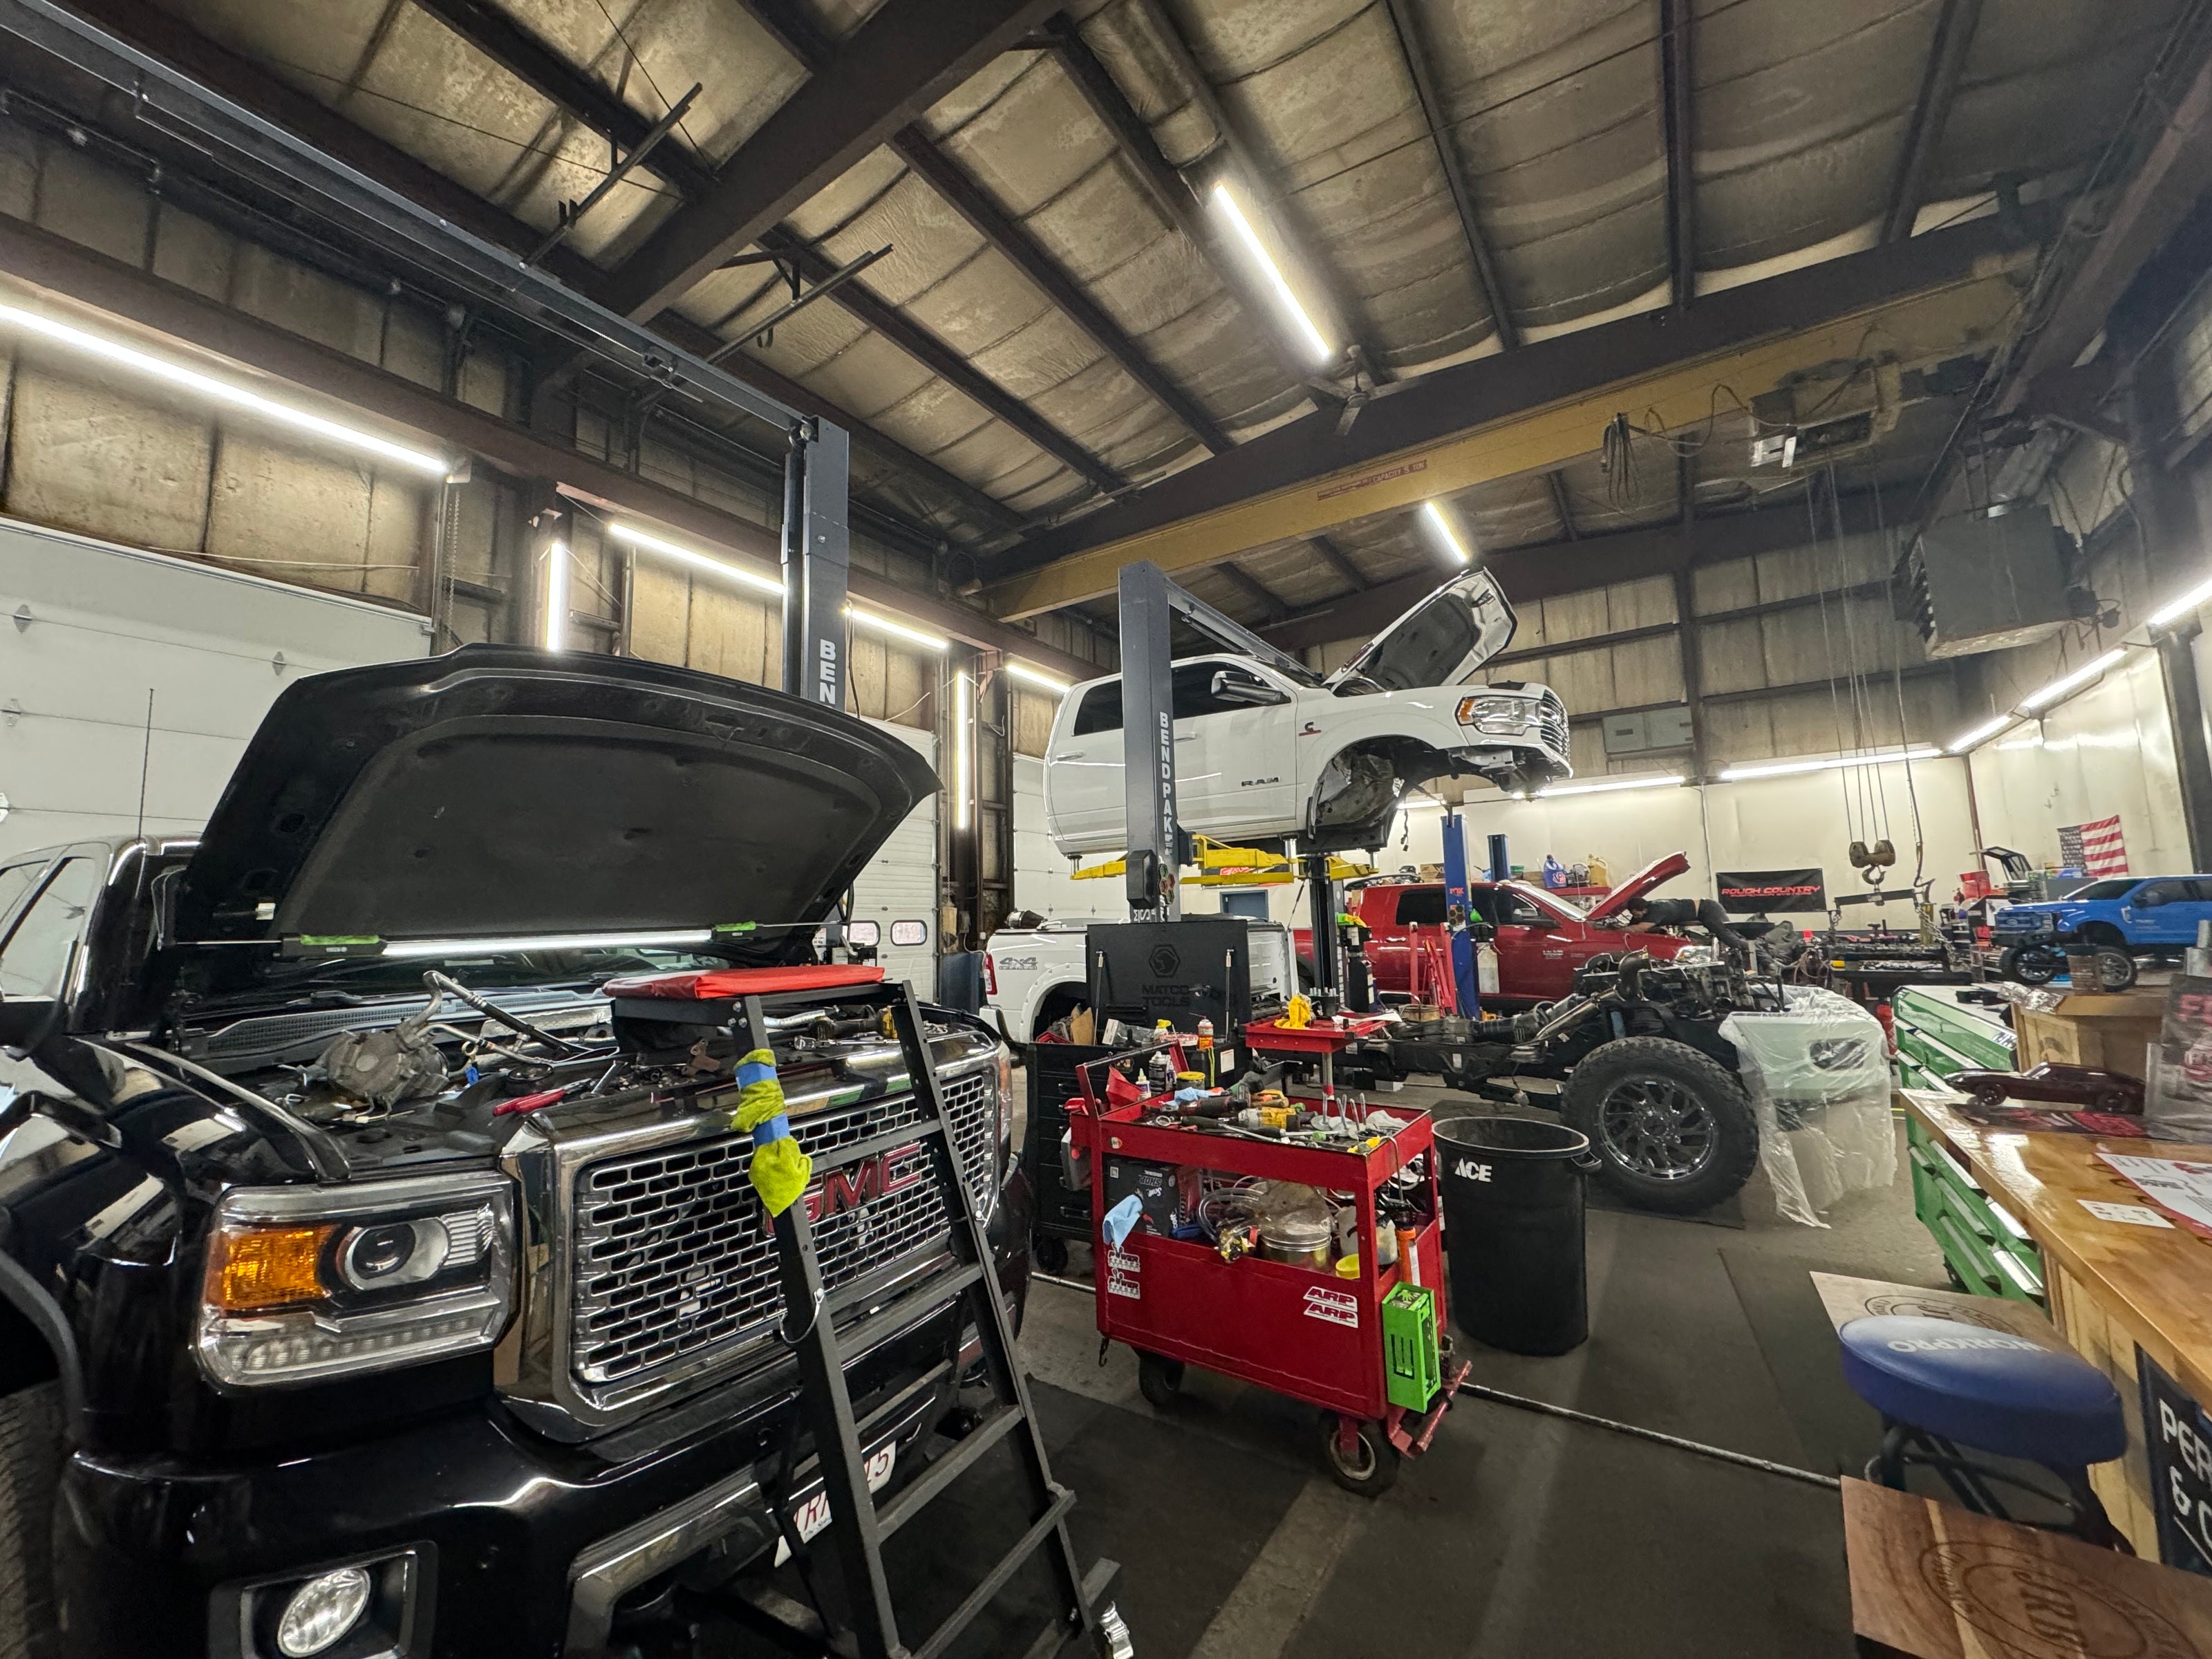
(1545, 570)
(1678, 109)
(803, 40)
(1339, 562)
(1523, 411)
(904, 58)
(1924, 134)
(1270, 602)
(1562, 503)
(1462, 194)
(551, 73)
(997, 226)
(941, 360)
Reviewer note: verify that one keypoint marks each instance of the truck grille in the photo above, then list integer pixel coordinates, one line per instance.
(1551, 721)
(673, 1257)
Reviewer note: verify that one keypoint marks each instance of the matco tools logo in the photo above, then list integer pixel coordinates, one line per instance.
(1164, 960)
(858, 1184)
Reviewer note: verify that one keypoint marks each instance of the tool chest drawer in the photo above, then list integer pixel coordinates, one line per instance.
(1989, 1250)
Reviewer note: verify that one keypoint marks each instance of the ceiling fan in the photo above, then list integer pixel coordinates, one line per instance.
(1354, 392)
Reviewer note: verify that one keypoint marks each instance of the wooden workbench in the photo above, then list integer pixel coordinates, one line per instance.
(2113, 1287)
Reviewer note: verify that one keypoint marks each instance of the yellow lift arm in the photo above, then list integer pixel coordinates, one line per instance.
(1221, 865)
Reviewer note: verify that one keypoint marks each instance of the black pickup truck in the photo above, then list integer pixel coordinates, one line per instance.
(366, 1289)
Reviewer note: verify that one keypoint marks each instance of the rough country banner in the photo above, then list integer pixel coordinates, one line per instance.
(1768, 890)
(2094, 849)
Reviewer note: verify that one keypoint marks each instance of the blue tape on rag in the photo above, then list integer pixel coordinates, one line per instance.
(776, 1128)
(755, 1072)
(1122, 1220)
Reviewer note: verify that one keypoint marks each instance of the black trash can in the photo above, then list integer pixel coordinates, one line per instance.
(1513, 1230)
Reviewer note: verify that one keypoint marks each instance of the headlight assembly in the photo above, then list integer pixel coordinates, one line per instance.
(1497, 717)
(310, 1282)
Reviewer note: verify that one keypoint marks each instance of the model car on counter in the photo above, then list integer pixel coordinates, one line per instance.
(2123, 919)
(364, 1287)
(1542, 940)
(1261, 753)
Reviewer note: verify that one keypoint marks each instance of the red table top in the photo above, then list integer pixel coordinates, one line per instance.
(1321, 1037)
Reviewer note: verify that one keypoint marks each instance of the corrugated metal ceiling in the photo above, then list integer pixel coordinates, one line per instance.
(1553, 106)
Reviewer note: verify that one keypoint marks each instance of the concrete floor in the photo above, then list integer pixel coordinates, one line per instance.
(1518, 1535)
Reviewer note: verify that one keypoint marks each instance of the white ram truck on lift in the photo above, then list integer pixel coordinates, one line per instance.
(1264, 752)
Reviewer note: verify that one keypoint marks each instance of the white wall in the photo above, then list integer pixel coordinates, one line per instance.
(900, 882)
(1041, 877)
(2109, 750)
(94, 628)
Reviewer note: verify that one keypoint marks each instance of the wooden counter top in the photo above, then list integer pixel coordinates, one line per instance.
(2156, 1281)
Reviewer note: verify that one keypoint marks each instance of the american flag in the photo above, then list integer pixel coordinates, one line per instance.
(2094, 849)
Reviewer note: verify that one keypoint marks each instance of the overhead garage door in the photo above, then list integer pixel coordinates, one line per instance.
(129, 673)
(1041, 877)
(900, 884)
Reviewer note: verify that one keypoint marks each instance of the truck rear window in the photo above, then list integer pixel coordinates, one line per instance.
(1421, 906)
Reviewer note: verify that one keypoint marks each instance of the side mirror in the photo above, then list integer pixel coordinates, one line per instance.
(1230, 687)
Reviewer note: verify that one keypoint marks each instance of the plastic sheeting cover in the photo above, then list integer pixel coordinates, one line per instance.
(1818, 1075)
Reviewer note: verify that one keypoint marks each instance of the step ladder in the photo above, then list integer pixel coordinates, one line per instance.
(858, 1525)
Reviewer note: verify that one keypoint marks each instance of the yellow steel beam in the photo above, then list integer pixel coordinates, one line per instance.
(1926, 326)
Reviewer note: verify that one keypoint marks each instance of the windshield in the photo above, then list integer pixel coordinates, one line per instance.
(2100, 889)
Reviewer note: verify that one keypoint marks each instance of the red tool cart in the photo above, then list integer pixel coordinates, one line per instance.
(1298, 1330)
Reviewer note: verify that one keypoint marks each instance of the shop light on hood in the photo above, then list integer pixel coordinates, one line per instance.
(1036, 677)
(87, 343)
(1787, 768)
(1609, 786)
(759, 581)
(1983, 733)
(1248, 239)
(1442, 528)
(2073, 682)
(2182, 606)
(668, 940)
(868, 619)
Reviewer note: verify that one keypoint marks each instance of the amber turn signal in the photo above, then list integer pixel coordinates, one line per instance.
(265, 1268)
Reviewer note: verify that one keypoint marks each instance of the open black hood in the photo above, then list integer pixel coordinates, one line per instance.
(503, 791)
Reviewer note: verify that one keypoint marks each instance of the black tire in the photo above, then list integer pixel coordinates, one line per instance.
(1051, 1253)
(2115, 969)
(2030, 964)
(1673, 1130)
(31, 1442)
(1159, 1379)
(1370, 1468)
(1952, 1274)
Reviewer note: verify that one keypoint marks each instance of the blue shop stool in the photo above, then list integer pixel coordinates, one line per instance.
(1940, 1386)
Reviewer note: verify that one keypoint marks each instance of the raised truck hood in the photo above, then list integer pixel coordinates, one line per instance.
(501, 790)
(1441, 640)
(1639, 885)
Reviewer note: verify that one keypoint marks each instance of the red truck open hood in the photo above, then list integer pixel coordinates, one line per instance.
(1640, 884)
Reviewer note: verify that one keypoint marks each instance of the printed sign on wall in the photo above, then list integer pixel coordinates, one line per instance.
(1766, 891)
(2178, 1438)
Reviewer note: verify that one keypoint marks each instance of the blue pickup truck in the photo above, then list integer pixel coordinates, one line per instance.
(2124, 919)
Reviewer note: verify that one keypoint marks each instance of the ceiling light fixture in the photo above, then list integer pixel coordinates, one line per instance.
(1983, 733)
(1605, 786)
(1036, 677)
(758, 581)
(2073, 682)
(1784, 769)
(221, 392)
(1254, 250)
(556, 596)
(2182, 606)
(1434, 515)
(963, 753)
(897, 630)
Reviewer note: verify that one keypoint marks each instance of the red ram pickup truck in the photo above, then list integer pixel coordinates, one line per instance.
(1542, 940)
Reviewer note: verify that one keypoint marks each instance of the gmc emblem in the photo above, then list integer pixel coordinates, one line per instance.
(858, 1184)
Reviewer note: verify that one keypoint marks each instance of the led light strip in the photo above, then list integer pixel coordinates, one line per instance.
(556, 597)
(1037, 677)
(1606, 785)
(1434, 515)
(766, 585)
(221, 392)
(2066, 684)
(1256, 251)
(668, 940)
(1786, 768)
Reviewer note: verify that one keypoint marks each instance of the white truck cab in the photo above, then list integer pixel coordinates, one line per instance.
(1261, 753)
